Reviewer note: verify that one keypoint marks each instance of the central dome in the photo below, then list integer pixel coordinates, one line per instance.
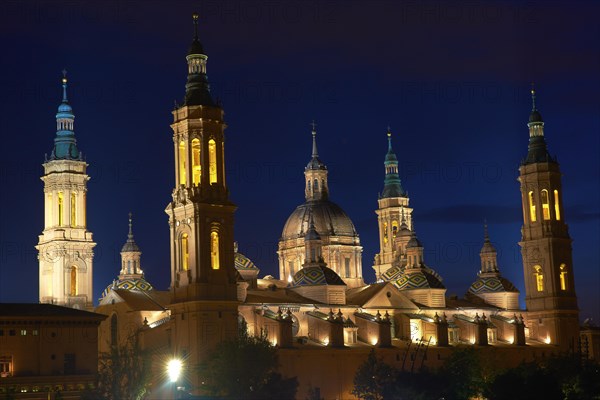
(329, 219)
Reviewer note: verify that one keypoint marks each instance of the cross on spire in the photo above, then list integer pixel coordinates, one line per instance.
(195, 19)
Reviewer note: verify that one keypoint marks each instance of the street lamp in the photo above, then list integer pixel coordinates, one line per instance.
(174, 368)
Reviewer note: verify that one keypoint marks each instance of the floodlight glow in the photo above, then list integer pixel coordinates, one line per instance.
(174, 368)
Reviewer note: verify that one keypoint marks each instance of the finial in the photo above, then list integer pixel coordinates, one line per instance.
(389, 135)
(64, 85)
(130, 226)
(533, 96)
(315, 154)
(486, 236)
(195, 18)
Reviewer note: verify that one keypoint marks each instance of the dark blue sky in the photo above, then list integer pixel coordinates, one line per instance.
(452, 80)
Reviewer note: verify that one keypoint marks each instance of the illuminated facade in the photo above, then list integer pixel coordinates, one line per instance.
(545, 243)
(65, 247)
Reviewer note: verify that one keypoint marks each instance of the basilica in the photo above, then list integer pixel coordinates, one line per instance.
(319, 312)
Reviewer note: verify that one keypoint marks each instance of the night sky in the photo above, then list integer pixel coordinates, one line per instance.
(452, 81)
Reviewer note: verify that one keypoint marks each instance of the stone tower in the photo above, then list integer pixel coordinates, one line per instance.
(545, 245)
(392, 213)
(65, 247)
(203, 280)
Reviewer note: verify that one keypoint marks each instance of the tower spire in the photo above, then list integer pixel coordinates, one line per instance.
(315, 153)
(533, 96)
(392, 184)
(195, 19)
(197, 89)
(65, 145)
(537, 150)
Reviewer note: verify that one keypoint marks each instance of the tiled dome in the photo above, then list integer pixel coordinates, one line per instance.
(128, 284)
(315, 276)
(492, 284)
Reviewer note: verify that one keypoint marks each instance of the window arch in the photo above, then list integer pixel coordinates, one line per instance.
(556, 205)
(563, 277)
(532, 216)
(73, 274)
(394, 228)
(214, 250)
(185, 253)
(196, 167)
(61, 207)
(73, 209)
(212, 160)
(385, 232)
(545, 205)
(182, 163)
(539, 278)
(316, 185)
(114, 330)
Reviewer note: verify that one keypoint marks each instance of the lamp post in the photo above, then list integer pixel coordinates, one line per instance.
(174, 368)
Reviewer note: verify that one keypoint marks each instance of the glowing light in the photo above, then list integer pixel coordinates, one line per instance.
(373, 341)
(290, 279)
(326, 341)
(174, 368)
(433, 341)
(511, 340)
(274, 342)
(547, 340)
(472, 340)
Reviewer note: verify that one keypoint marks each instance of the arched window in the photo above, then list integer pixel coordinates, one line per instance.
(316, 184)
(309, 188)
(545, 205)
(212, 160)
(532, 216)
(73, 281)
(185, 254)
(196, 167)
(556, 205)
(73, 210)
(61, 207)
(129, 266)
(182, 172)
(563, 277)
(114, 330)
(214, 250)
(394, 228)
(539, 278)
(385, 232)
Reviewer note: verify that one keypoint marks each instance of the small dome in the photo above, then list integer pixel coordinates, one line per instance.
(65, 108)
(328, 217)
(391, 156)
(242, 262)
(316, 276)
(413, 242)
(315, 163)
(487, 247)
(129, 284)
(423, 278)
(535, 116)
(492, 284)
(130, 246)
(196, 48)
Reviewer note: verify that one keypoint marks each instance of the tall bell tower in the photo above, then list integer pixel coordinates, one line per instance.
(65, 247)
(553, 316)
(203, 280)
(393, 213)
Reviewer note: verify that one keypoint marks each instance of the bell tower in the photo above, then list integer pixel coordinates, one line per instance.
(553, 316)
(203, 277)
(393, 213)
(65, 247)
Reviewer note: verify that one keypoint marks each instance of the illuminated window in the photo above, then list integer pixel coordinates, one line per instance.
(347, 266)
(182, 173)
(73, 281)
(539, 278)
(394, 228)
(60, 208)
(114, 330)
(214, 250)
(385, 232)
(563, 277)
(212, 160)
(196, 167)
(185, 254)
(556, 205)
(531, 208)
(73, 209)
(6, 366)
(316, 184)
(545, 205)
(291, 267)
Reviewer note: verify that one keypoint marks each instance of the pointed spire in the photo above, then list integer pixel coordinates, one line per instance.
(64, 85)
(533, 96)
(195, 19)
(392, 184)
(65, 145)
(486, 236)
(537, 149)
(130, 245)
(197, 88)
(315, 153)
